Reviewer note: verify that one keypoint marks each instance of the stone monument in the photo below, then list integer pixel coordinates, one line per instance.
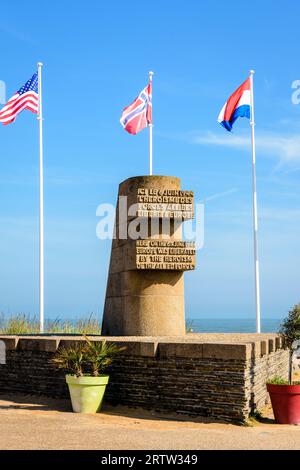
(145, 288)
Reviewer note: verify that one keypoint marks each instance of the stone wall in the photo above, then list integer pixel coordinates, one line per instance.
(189, 375)
(261, 368)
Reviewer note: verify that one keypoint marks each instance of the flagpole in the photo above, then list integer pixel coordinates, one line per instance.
(150, 131)
(41, 202)
(255, 219)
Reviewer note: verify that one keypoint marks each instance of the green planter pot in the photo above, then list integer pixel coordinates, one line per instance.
(87, 392)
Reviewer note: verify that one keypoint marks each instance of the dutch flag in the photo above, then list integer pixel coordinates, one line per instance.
(238, 105)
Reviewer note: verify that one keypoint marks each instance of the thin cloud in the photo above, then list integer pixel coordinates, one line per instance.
(284, 147)
(220, 195)
(282, 215)
(20, 36)
(292, 170)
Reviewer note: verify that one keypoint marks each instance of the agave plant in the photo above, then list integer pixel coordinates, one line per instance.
(100, 355)
(72, 359)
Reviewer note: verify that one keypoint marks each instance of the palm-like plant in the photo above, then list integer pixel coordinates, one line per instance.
(71, 359)
(100, 355)
(94, 356)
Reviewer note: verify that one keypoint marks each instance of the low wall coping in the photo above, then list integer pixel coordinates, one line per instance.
(202, 346)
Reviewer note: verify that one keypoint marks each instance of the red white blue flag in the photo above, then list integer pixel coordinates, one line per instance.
(138, 114)
(26, 98)
(238, 105)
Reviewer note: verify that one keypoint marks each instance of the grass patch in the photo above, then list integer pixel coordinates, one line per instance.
(25, 324)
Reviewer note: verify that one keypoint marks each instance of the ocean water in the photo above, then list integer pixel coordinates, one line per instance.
(232, 325)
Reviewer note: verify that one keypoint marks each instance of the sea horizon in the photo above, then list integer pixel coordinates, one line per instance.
(232, 325)
(195, 325)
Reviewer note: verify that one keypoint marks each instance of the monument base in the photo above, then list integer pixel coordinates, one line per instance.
(150, 304)
(221, 376)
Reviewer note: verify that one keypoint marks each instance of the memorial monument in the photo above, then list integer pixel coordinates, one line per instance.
(145, 288)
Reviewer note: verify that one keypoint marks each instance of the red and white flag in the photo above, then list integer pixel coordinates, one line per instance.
(138, 114)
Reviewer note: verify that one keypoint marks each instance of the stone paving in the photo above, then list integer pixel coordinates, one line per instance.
(38, 423)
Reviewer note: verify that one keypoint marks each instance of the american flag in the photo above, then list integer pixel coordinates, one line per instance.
(26, 98)
(138, 114)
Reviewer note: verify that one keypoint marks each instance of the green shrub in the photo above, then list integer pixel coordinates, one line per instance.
(278, 381)
(290, 327)
(290, 333)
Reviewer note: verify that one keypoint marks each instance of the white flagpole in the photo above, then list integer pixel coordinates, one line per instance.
(255, 221)
(150, 132)
(41, 201)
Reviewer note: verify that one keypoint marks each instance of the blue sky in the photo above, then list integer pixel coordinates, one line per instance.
(96, 58)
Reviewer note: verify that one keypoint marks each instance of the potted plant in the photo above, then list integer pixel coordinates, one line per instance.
(86, 363)
(285, 394)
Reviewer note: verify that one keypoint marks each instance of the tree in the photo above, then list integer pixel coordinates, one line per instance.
(290, 333)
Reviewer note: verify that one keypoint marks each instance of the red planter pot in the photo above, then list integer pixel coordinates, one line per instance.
(285, 403)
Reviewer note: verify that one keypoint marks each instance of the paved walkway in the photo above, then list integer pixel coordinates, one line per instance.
(42, 423)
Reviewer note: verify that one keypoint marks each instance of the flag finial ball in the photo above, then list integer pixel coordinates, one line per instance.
(252, 72)
(40, 64)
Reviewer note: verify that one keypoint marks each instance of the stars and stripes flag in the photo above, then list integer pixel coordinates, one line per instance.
(26, 98)
(138, 114)
(29, 96)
